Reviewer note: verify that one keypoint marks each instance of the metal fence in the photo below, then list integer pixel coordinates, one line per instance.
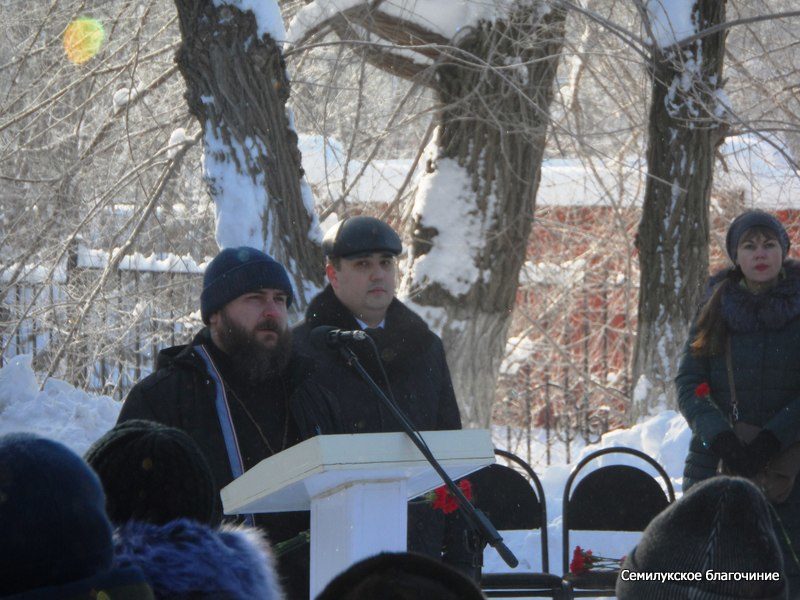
(142, 305)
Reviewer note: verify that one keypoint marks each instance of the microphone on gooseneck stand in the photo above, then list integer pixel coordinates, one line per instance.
(331, 338)
(326, 337)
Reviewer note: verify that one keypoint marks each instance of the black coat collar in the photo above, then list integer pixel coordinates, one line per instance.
(403, 339)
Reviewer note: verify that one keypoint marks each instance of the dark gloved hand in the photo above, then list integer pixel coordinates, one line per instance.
(764, 447)
(734, 455)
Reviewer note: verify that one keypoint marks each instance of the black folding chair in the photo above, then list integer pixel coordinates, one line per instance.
(611, 498)
(514, 501)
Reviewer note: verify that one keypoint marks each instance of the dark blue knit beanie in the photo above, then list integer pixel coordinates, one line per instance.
(237, 271)
(748, 220)
(52, 516)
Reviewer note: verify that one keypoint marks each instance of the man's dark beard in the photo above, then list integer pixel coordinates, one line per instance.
(253, 362)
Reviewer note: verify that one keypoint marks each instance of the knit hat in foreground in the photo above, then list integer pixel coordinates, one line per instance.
(714, 536)
(237, 271)
(755, 218)
(153, 473)
(52, 517)
(401, 576)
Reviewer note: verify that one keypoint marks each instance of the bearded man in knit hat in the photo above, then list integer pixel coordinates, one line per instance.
(239, 390)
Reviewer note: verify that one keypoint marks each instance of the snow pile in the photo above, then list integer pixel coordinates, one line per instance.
(762, 169)
(750, 164)
(59, 411)
(32, 273)
(326, 163)
(123, 96)
(160, 262)
(445, 201)
(176, 139)
(519, 350)
(240, 199)
(548, 273)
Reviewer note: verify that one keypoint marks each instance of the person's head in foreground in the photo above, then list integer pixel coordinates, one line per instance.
(57, 540)
(718, 538)
(400, 576)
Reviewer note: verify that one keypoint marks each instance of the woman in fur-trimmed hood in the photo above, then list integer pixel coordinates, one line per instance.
(160, 495)
(185, 559)
(750, 319)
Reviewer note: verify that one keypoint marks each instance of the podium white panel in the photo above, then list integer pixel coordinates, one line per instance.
(356, 487)
(290, 479)
(346, 527)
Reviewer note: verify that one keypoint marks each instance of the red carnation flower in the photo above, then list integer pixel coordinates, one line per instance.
(444, 501)
(703, 390)
(584, 561)
(578, 564)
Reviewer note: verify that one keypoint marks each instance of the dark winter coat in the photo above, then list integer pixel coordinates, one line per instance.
(184, 559)
(180, 393)
(415, 364)
(765, 350)
(420, 381)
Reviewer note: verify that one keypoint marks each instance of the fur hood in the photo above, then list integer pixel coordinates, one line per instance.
(746, 312)
(185, 559)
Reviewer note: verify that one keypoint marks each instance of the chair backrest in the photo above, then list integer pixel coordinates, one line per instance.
(613, 497)
(511, 499)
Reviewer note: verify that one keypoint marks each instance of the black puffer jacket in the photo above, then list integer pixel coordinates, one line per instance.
(180, 393)
(415, 364)
(765, 354)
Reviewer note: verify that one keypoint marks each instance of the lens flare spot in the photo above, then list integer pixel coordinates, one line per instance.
(82, 39)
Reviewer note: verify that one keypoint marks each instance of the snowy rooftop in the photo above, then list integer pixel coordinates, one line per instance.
(751, 166)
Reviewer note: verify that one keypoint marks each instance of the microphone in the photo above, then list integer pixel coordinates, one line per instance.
(325, 336)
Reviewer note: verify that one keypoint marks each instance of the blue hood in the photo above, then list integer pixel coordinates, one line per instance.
(185, 558)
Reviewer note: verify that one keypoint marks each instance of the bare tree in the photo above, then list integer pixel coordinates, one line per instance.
(686, 124)
(494, 85)
(238, 88)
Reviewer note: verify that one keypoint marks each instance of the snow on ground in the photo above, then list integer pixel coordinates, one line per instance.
(59, 411)
(62, 412)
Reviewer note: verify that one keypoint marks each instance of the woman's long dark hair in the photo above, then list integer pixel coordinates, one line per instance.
(711, 328)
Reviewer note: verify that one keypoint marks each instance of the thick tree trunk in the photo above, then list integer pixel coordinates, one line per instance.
(469, 245)
(685, 127)
(238, 89)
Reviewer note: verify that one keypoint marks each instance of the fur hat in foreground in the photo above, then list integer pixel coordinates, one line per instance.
(154, 473)
(401, 576)
(56, 536)
(719, 528)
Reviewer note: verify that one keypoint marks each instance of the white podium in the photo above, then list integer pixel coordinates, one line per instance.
(357, 488)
